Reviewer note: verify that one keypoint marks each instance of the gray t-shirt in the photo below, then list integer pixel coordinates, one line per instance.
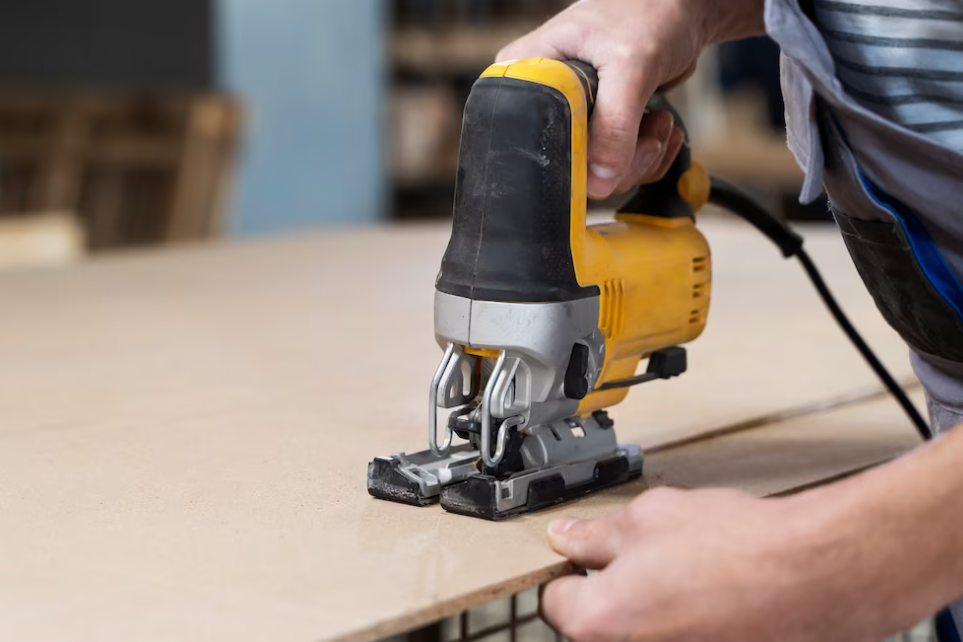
(902, 59)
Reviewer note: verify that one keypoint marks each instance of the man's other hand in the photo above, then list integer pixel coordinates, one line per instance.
(706, 565)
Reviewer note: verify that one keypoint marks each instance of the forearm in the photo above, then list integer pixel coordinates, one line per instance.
(895, 535)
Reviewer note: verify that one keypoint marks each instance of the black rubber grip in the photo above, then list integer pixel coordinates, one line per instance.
(511, 234)
(590, 81)
(662, 198)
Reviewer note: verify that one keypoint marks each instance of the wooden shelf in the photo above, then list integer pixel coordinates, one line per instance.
(456, 50)
(136, 167)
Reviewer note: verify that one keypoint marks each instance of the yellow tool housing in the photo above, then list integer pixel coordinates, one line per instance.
(654, 277)
(543, 318)
(520, 233)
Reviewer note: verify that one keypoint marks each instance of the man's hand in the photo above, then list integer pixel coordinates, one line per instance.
(721, 566)
(694, 565)
(856, 560)
(637, 46)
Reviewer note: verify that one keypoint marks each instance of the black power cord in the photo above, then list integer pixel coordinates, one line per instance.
(731, 198)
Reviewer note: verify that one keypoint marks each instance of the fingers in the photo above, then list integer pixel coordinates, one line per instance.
(558, 600)
(676, 139)
(655, 133)
(628, 75)
(582, 608)
(614, 130)
(591, 544)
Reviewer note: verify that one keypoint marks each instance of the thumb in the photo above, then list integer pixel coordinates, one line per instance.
(591, 544)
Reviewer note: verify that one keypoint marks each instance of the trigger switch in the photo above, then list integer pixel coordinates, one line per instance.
(576, 376)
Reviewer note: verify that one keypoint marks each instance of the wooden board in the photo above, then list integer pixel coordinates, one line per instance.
(790, 455)
(185, 458)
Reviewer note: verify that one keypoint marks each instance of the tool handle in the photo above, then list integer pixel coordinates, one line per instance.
(590, 81)
(518, 195)
(685, 186)
(518, 232)
(663, 198)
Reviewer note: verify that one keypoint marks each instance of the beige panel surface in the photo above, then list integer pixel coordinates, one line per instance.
(184, 434)
(792, 454)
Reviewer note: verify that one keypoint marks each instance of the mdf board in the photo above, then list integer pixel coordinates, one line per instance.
(791, 455)
(186, 458)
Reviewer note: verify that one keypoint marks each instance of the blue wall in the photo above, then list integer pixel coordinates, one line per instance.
(311, 75)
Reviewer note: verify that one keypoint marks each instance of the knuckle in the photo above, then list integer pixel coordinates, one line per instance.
(660, 496)
(637, 512)
(656, 500)
(628, 56)
(511, 51)
(575, 32)
(646, 50)
(626, 53)
(504, 54)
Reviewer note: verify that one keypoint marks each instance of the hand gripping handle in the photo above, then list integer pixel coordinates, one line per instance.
(522, 144)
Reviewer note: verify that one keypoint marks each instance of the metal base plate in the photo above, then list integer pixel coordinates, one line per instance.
(385, 481)
(397, 479)
(561, 460)
(489, 498)
(417, 479)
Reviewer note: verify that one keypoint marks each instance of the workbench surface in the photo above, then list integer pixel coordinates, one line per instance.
(184, 433)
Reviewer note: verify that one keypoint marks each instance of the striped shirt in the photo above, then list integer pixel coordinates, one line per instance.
(902, 59)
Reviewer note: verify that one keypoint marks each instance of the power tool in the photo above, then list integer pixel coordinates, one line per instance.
(543, 319)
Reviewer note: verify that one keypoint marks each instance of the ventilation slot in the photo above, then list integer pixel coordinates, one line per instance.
(699, 291)
(695, 317)
(612, 308)
(700, 264)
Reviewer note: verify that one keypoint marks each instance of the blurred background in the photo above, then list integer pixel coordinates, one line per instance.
(127, 123)
(137, 123)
